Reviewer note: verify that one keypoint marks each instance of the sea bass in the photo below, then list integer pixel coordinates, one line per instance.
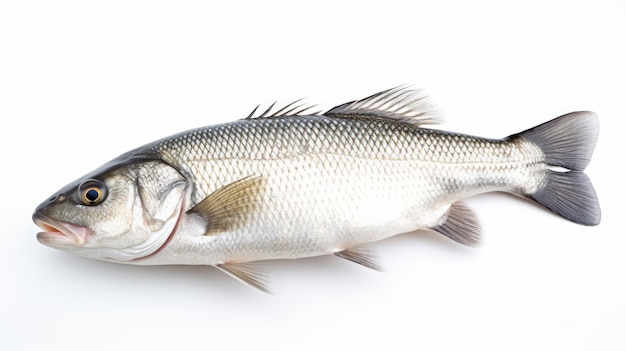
(292, 184)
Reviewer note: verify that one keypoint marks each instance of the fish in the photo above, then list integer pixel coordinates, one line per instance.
(290, 183)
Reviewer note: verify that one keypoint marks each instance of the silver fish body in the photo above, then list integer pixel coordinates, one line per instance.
(331, 183)
(292, 185)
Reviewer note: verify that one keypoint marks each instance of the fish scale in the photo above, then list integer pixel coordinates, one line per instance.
(332, 166)
(296, 185)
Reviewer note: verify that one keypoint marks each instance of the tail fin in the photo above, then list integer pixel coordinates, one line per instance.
(568, 142)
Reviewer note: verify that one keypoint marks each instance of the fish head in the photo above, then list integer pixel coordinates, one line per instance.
(121, 212)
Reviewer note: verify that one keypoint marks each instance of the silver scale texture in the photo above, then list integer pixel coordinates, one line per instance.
(332, 183)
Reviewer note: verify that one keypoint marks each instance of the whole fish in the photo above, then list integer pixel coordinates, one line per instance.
(292, 184)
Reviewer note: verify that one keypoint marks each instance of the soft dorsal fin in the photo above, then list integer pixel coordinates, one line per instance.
(460, 225)
(228, 207)
(400, 104)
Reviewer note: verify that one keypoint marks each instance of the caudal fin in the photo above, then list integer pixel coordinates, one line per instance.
(567, 142)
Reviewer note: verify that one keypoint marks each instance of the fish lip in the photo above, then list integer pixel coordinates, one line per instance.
(57, 233)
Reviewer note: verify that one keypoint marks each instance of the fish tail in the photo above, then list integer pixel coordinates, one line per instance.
(567, 143)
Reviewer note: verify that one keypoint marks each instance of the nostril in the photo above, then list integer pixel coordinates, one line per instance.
(57, 198)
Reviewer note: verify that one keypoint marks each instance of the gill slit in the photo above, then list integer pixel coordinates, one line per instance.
(170, 236)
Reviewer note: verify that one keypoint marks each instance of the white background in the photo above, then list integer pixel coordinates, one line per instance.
(81, 82)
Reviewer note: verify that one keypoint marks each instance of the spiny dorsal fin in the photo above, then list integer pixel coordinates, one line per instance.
(362, 255)
(399, 104)
(247, 273)
(460, 225)
(293, 109)
(228, 207)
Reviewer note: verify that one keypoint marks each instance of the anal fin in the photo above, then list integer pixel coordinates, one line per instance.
(460, 225)
(362, 255)
(247, 273)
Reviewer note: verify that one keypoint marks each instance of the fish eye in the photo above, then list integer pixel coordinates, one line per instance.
(91, 192)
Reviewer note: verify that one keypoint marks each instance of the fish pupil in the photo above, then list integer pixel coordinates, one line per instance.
(91, 195)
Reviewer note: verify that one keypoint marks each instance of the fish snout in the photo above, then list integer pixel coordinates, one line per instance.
(57, 233)
(55, 199)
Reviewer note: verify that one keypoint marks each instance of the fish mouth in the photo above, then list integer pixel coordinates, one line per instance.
(57, 233)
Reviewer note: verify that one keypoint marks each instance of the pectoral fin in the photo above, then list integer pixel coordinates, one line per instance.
(229, 207)
(461, 225)
(362, 255)
(247, 273)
